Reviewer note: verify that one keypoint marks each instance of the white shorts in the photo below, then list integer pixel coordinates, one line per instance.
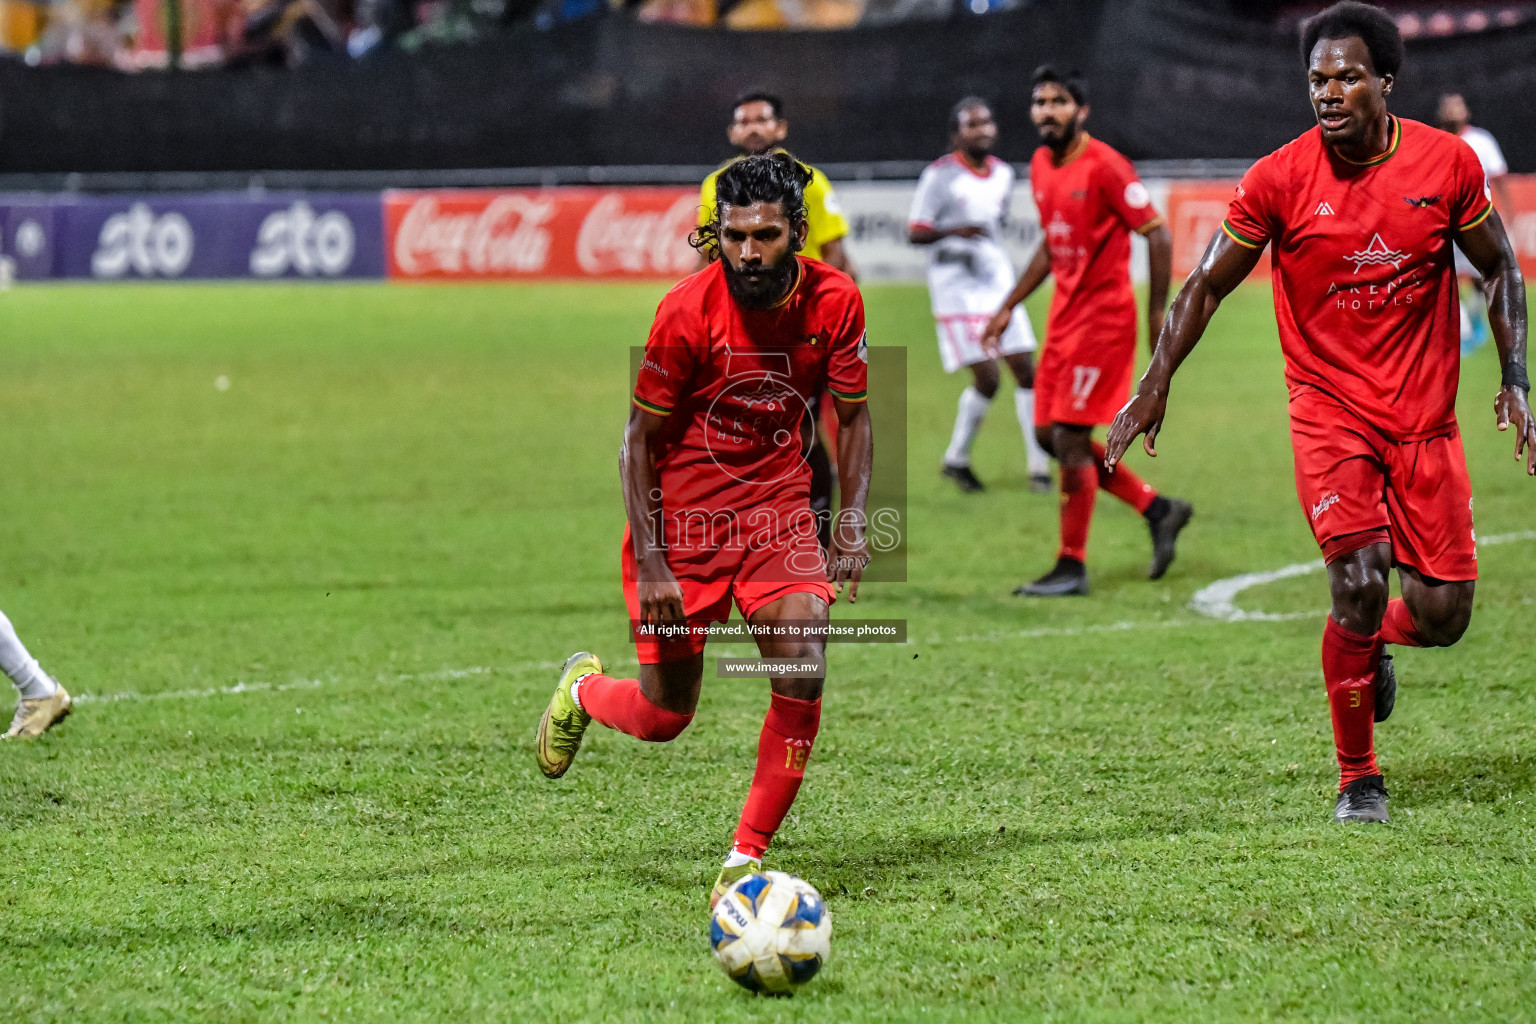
(960, 338)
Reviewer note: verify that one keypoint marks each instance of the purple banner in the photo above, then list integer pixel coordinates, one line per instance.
(220, 235)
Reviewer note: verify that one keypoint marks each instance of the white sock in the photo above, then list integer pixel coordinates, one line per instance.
(576, 690)
(973, 409)
(1466, 322)
(1024, 405)
(29, 678)
(736, 860)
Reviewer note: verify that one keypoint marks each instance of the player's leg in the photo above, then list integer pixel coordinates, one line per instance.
(1357, 582)
(1165, 516)
(1073, 447)
(1431, 612)
(41, 701)
(975, 400)
(1022, 366)
(788, 733)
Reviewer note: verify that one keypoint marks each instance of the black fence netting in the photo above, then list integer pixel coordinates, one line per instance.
(1170, 80)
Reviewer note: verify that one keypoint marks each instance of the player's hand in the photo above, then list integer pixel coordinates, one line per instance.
(661, 602)
(1513, 409)
(848, 556)
(968, 231)
(992, 336)
(1143, 414)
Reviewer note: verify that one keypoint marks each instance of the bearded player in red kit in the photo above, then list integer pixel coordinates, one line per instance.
(717, 491)
(1361, 214)
(1090, 201)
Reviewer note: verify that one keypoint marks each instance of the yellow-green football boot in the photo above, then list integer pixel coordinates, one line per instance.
(729, 876)
(561, 728)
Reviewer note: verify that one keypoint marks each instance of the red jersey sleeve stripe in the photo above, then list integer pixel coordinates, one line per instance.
(849, 396)
(1475, 221)
(652, 407)
(1239, 237)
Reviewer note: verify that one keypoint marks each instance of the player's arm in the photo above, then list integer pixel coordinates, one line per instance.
(661, 599)
(1225, 263)
(1159, 273)
(927, 234)
(855, 462)
(1487, 246)
(1033, 277)
(835, 253)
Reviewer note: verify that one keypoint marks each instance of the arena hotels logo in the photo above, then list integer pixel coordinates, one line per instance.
(1370, 295)
(1377, 253)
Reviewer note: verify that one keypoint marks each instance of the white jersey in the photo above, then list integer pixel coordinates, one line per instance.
(1488, 152)
(965, 275)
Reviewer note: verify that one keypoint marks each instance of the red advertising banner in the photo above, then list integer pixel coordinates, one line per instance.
(1515, 197)
(517, 234)
(1195, 212)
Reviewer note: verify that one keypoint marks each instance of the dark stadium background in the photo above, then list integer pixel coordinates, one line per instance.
(1171, 80)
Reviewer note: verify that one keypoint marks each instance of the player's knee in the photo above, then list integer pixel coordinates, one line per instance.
(1044, 436)
(663, 726)
(986, 385)
(1443, 626)
(1360, 601)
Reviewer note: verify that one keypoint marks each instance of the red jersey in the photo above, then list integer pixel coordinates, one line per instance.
(1365, 290)
(737, 386)
(1088, 206)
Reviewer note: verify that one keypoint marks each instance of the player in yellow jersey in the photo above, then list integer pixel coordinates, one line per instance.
(758, 126)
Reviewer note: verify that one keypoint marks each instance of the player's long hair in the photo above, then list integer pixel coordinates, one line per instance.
(770, 178)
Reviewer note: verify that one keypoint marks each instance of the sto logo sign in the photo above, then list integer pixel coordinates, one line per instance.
(143, 243)
(296, 239)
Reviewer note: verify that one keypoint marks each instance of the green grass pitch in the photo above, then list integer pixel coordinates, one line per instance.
(316, 616)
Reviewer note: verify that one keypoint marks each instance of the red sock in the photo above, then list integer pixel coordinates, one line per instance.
(619, 704)
(1079, 489)
(1349, 672)
(1123, 483)
(1397, 626)
(782, 750)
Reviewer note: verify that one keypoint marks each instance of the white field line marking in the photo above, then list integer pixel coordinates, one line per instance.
(1219, 600)
(313, 684)
(1216, 602)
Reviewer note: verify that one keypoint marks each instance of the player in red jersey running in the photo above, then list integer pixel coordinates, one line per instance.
(717, 491)
(1361, 214)
(1090, 201)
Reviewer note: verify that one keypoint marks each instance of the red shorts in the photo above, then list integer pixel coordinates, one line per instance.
(1352, 479)
(1083, 383)
(758, 566)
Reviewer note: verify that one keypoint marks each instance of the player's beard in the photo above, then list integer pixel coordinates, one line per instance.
(1061, 141)
(761, 288)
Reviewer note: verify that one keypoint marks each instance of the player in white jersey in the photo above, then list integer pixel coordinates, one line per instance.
(1455, 118)
(958, 212)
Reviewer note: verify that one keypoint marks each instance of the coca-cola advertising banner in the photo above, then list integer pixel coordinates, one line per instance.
(516, 234)
(301, 235)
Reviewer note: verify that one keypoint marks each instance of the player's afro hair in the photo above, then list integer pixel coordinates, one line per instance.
(958, 110)
(1072, 81)
(770, 178)
(1367, 22)
(774, 101)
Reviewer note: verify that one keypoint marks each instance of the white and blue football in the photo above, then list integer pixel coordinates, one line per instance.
(771, 932)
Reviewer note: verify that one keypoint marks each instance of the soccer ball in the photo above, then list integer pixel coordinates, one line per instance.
(771, 932)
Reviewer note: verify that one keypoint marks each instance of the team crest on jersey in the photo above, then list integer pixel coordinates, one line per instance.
(1376, 254)
(813, 341)
(1323, 210)
(1423, 202)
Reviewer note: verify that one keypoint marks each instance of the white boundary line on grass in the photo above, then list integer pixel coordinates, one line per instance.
(1216, 602)
(1219, 599)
